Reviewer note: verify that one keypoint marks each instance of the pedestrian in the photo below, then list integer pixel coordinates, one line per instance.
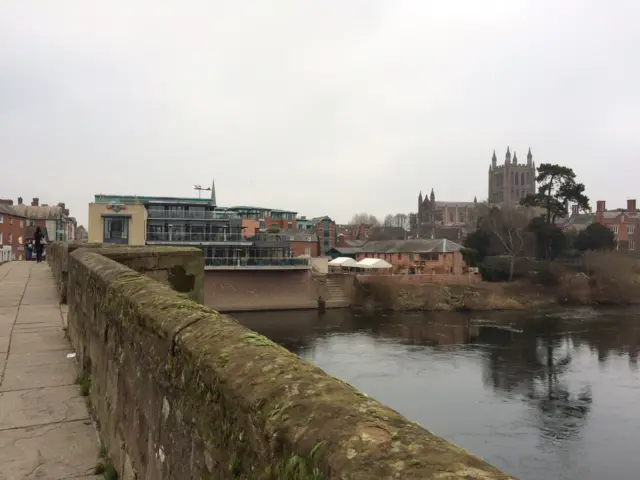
(37, 239)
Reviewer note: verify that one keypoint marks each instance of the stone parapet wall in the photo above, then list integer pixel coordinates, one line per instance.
(181, 391)
(182, 268)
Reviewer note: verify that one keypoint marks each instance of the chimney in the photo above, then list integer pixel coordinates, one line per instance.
(631, 206)
(35, 202)
(574, 209)
(61, 205)
(19, 200)
(600, 206)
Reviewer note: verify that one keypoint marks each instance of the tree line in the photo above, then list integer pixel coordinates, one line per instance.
(530, 230)
(390, 220)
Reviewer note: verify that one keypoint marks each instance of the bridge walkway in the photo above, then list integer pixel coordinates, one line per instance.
(45, 429)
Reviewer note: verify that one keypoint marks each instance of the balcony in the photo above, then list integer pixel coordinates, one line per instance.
(191, 215)
(182, 237)
(231, 263)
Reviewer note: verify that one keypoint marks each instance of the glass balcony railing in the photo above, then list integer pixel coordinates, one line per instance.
(256, 262)
(188, 214)
(193, 237)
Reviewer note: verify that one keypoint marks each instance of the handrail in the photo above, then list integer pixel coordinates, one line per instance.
(193, 237)
(255, 261)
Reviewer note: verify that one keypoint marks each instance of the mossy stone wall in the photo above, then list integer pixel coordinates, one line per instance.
(181, 268)
(181, 391)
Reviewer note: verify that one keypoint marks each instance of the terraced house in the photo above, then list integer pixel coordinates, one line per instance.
(623, 222)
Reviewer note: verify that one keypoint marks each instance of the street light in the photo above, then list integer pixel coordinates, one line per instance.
(200, 189)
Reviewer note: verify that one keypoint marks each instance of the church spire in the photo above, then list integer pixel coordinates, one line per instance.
(529, 157)
(213, 192)
(494, 160)
(432, 197)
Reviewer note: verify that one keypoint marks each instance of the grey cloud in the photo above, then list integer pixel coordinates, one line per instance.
(325, 107)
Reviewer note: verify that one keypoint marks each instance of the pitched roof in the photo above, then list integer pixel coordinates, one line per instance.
(41, 212)
(10, 210)
(410, 246)
(300, 235)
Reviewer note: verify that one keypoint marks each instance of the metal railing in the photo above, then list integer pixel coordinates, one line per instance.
(256, 262)
(191, 215)
(193, 237)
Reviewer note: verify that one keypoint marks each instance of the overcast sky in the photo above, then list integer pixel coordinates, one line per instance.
(323, 107)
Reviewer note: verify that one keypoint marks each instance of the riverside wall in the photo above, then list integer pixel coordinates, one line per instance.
(181, 391)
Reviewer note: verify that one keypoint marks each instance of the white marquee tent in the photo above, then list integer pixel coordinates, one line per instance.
(374, 264)
(341, 263)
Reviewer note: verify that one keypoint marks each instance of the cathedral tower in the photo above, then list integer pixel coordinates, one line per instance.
(511, 182)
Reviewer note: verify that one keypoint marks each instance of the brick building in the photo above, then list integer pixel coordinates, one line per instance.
(438, 256)
(12, 232)
(302, 242)
(325, 229)
(267, 217)
(623, 222)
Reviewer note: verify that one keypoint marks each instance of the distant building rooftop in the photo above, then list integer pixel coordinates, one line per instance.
(247, 207)
(107, 198)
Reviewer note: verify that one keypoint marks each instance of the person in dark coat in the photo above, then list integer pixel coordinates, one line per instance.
(37, 240)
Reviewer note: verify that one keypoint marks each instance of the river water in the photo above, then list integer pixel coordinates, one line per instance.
(545, 395)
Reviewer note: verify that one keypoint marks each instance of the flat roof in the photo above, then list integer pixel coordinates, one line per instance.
(109, 198)
(247, 207)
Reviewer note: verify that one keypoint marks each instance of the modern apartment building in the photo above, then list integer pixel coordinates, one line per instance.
(267, 217)
(184, 221)
(325, 229)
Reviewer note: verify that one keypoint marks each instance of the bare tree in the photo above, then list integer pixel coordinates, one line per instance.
(365, 218)
(508, 229)
(389, 221)
(401, 220)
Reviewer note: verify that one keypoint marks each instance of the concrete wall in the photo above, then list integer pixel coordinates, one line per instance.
(137, 214)
(180, 391)
(230, 291)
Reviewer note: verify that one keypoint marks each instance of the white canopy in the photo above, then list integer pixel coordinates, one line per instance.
(343, 262)
(373, 263)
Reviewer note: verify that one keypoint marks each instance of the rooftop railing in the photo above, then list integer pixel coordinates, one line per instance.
(191, 214)
(174, 237)
(255, 262)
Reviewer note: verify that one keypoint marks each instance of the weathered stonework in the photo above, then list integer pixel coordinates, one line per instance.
(180, 391)
(181, 268)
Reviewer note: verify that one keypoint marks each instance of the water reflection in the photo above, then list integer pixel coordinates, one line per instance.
(546, 395)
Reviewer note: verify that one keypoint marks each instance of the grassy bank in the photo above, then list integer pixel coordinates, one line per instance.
(603, 279)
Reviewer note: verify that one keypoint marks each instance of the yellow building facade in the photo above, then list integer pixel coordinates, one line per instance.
(117, 223)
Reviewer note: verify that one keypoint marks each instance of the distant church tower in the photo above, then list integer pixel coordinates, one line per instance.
(213, 192)
(511, 182)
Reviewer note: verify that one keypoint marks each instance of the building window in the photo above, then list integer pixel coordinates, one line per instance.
(11, 239)
(31, 223)
(632, 244)
(1, 218)
(631, 229)
(307, 251)
(0, 238)
(10, 220)
(116, 230)
(19, 240)
(21, 223)
(614, 229)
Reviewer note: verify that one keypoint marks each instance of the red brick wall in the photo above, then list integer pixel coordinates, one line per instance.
(283, 224)
(298, 248)
(11, 225)
(449, 262)
(446, 279)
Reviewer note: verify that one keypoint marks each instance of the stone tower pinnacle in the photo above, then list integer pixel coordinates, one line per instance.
(432, 197)
(213, 192)
(507, 157)
(494, 160)
(529, 158)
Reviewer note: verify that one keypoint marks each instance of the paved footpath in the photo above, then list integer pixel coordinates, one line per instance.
(45, 430)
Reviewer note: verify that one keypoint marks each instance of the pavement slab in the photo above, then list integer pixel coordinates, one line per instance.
(45, 429)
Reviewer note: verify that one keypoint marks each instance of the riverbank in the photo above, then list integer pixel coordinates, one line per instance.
(606, 279)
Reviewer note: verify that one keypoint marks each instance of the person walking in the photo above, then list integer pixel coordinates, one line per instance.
(37, 239)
